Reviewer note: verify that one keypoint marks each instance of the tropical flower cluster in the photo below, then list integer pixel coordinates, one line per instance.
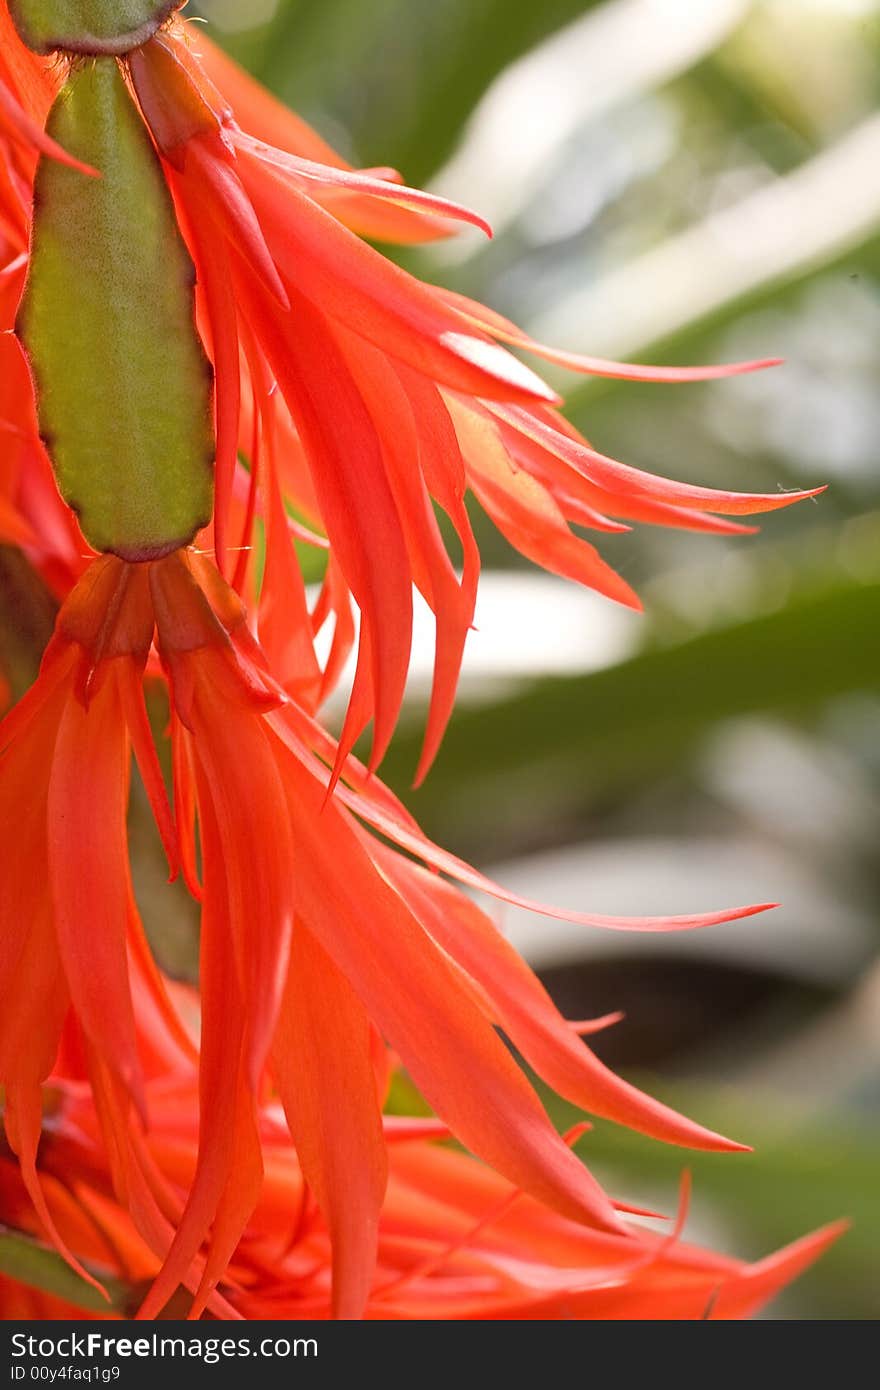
(204, 365)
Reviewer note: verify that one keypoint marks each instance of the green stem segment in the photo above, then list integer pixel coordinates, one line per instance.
(107, 319)
(89, 26)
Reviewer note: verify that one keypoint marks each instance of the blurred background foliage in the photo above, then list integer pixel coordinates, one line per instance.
(676, 181)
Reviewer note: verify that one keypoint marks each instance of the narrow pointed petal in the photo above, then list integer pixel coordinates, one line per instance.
(254, 854)
(618, 477)
(89, 875)
(367, 185)
(526, 513)
(32, 984)
(16, 119)
(236, 1203)
(284, 627)
(577, 495)
(744, 1296)
(14, 528)
(323, 1069)
(508, 332)
(443, 469)
(223, 1097)
(228, 206)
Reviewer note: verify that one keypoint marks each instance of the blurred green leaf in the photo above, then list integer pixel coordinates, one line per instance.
(39, 1267)
(567, 742)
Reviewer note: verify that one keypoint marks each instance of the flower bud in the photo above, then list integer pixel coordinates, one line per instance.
(89, 26)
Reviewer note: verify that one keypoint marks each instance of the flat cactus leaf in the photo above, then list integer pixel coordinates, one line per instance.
(107, 320)
(89, 26)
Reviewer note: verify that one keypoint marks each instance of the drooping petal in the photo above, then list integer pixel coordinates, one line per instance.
(16, 119)
(325, 177)
(322, 1065)
(236, 775)
(284, 626)
(580, 498)
(528, 1015)
(225, 1106)
(89, 874)
(32, 981)
(526, 513)
(508, 332)
(621, 478)
(450, 1049)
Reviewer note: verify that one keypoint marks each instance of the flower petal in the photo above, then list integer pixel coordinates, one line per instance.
(322, 1066)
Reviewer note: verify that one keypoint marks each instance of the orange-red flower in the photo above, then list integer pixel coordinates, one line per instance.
(350, 934)
(360, 395)
(316, 934)
(387, 394)
(455, 1241)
